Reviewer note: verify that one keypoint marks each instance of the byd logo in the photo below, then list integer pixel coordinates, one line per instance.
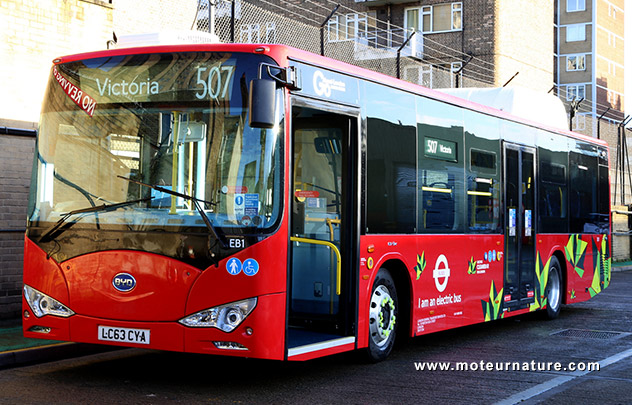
(124, 282)
(324, 86)
(441, 271)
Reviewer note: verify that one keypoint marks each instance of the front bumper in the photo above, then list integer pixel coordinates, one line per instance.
(261, 333)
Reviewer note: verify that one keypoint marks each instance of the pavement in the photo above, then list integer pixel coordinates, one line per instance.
(16, 350)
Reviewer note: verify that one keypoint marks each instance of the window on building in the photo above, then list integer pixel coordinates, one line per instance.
(575, 5)
(270, 32)
(576, 32)
(575, 91)
(250, 33)
(426, 75)
(579, 122)
(436, 18)
(575, 62)
(351, 26)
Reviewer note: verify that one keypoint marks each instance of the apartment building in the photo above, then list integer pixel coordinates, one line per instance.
(589, 59)
(490, 32)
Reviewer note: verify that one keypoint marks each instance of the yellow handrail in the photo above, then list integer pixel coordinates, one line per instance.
(331, 246)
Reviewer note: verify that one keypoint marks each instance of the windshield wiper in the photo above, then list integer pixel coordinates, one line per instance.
(96, 208)
(196, 203)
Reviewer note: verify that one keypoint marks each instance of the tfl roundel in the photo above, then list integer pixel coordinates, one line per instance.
(124, 282)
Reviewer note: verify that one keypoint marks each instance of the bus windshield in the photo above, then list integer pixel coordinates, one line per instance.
(178, 121)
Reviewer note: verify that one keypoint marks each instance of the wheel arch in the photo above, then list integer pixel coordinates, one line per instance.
(403, 285)
(561, 259)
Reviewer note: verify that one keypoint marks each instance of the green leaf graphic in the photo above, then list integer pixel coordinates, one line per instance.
(491, 308)
(421, 264)
(471, 269)
(575, 251)
(602, 266)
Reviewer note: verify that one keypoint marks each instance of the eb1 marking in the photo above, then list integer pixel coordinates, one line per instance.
(236, 243)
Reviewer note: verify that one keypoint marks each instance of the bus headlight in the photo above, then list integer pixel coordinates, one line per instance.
(41, 304)
(225, 317)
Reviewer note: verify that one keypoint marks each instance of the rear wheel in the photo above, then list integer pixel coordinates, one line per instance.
(554, 289)
(383, 310)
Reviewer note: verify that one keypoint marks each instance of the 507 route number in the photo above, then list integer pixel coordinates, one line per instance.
(214, 82)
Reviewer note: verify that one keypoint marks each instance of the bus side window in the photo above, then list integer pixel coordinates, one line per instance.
(438, 200)
(482, 192)
(441, 167)
(584, 193)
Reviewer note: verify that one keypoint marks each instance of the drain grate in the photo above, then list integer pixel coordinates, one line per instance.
(589, 334)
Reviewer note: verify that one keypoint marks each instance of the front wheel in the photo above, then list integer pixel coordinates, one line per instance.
(554, 289)
(383, 310)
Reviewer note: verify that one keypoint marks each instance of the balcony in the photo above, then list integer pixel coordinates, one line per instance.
(381, 2)
(383, 44)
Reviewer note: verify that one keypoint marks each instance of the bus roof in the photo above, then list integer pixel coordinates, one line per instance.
(283, 53)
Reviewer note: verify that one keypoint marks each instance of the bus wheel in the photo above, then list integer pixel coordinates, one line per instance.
(554, 290)
(382, 317)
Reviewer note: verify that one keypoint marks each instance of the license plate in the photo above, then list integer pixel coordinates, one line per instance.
(124, 335)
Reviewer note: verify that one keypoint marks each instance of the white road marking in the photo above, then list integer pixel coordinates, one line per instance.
(540, 388)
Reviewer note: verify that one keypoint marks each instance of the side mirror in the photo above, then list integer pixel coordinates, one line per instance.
(262, 103)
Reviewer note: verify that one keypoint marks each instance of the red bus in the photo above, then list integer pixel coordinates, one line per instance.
(262, 201)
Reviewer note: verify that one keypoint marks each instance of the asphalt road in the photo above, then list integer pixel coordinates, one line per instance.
(599, 330)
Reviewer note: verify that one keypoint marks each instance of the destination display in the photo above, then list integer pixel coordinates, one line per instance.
(440, 149)
(168, 77)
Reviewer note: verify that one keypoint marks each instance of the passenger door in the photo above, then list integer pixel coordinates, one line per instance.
(519, 286)
(324, 227)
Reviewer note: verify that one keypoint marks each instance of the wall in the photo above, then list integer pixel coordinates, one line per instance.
(524, 43)
(32, 35)
(16, 157)
(620, 243)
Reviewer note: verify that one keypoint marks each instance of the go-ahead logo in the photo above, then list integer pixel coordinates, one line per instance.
(324, 86)
(441, 271)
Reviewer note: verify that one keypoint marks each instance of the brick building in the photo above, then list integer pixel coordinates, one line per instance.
(33, 34)
(589, 62)
(487, 30)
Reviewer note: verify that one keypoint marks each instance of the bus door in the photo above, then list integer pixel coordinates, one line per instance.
(324, 228)
(519, 285)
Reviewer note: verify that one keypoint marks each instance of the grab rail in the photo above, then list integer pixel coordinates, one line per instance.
(331, 246)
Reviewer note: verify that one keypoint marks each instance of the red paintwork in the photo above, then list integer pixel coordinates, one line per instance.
(163, 286)
(166, 291)
(266, 342)
(470, 287)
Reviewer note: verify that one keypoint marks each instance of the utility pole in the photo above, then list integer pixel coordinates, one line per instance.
(573, 109)
(456, 74)
(399, 51)
(322, 30)
(599, 123)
